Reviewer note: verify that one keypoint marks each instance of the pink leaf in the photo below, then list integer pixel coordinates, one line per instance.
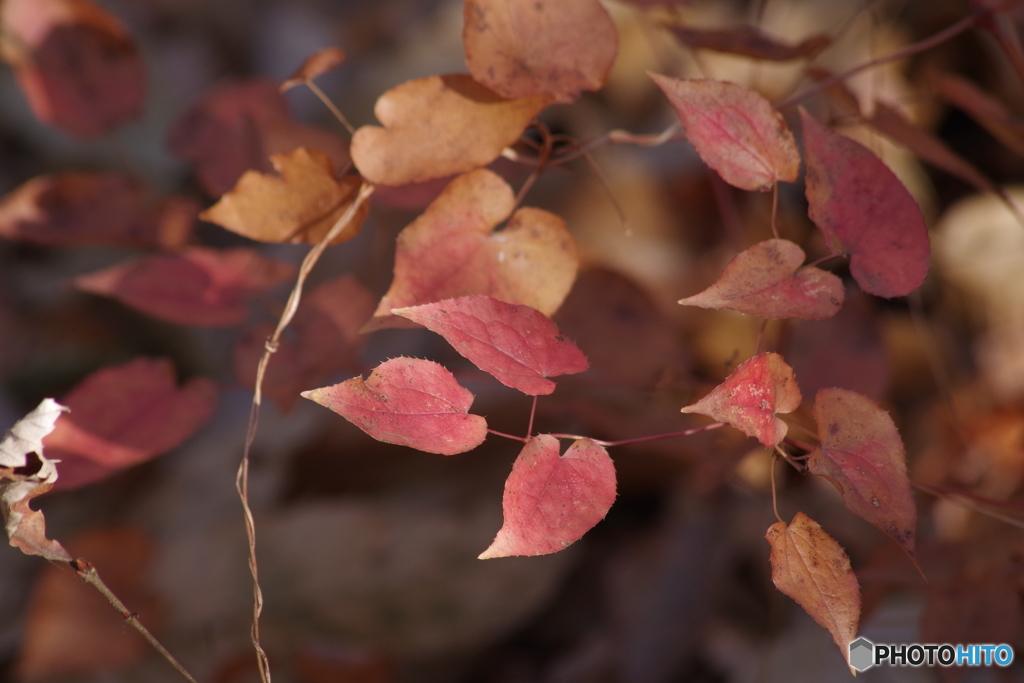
(550, 501)
(410, 402)
(765, 281)
(517, 344)
(750, 397)
(865, 212)
(735, 131)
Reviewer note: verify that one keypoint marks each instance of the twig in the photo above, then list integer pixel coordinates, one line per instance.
(330, 105)
(775, 505)
(611, 194)
(641, 439)
(964, 498)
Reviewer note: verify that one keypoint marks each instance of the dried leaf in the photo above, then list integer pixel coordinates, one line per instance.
(765, 281)
(21, 481)
(439, 126)
(751, 396)
(862, 454)
(317, 64)
(410, 402)
(450, 251)
(520, 48)
(749, 41)
(125, 415)
(734, 130)
(551, 500)
(989, 112)
(810, 567)
(865, 212)
(519, 345)
(76, 63)
(300, 203)
(322, 339)
(197, 286)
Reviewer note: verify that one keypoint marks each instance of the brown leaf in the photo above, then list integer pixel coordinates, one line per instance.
(521, 48)
(989, 112)
(317, 64)
(766, 280)
(76, 63)
(749, 41)
(300, 203)
(439, 126)
(451, 251)
(810, 567)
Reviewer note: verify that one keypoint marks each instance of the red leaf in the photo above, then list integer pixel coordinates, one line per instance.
(451, 251)
(517, 344)
(124, 415)
(550, 500)
(750, 397)
(810, 567)
(76, 209)
(539, 47)
(764, 281)
(198, 286)
(238, 126)
(862, 454)
(735, 131)
(749, 41)
(410, 402)
(865, 212)
(76, 64)
(317, 64)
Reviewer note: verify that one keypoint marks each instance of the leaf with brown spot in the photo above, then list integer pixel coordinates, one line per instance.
(520, 48)
(317, 64)
(452, 250)
(439, 126)
(810, 567)
(862, 454)
(749, 41)
(766, 280)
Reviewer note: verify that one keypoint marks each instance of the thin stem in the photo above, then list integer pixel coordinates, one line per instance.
(617, 136)
(775, 503)
(533, 412)
(963, 498)
(507, 436)
(775, 207)
(641, 439)
(1001, 27)
(760, 336)
(542, 160)
(611, 195)
(87, 572)
(330, 105)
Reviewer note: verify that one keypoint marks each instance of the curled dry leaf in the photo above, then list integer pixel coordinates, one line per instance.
(865, 212)
(322, 339)
(810, 567)
(749, 41)
(520, 48)
(197, 286)
(750, 397)
(765, 281)
(76, 63)
(299, 204)
(84, 209)
(519, 345)
(551, 500)
(734, 130)
(317, 64)
(862, 454)
(22, 478)
(439, 126)
(409, 402)
(450, 251)
(125, 415)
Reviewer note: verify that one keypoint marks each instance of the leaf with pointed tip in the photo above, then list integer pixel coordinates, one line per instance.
(451, 250)
(865, 212)
(751, 396)
(317, 64)
(765, 281)
(520, 48)
(862, 454)
(410, 402)
(439, 126)
(734, 130)
(551, 500)
(197, 286)
(810, 567)
(749, 41)
(519, 345)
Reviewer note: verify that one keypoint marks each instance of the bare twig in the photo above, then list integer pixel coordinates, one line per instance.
(330, 105)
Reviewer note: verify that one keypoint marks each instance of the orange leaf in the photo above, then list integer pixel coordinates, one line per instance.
(764, 281)
(520, 48)
(735, 131)
(450, 251)
(810, 567)
(301, 203)
(317, 64)
(439, 126)
(750, 397)
(862, 454)
(749, 41)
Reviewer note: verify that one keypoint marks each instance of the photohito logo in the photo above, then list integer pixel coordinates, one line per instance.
(864, 654)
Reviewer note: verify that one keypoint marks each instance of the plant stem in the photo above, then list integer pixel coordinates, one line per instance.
(533, 412)
(966, 499)
(641, 439)
(507, 436)
(775, 506)
(330, 105)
